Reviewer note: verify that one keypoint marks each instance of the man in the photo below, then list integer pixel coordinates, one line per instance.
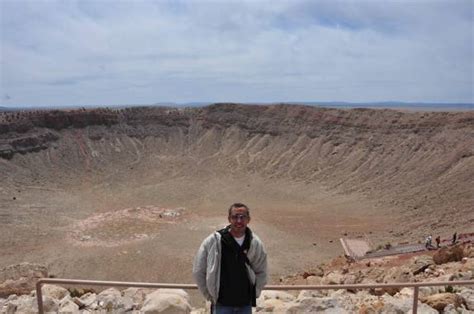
(230, 267)
(428, 242)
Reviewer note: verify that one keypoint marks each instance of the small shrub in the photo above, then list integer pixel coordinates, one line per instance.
(79, 292)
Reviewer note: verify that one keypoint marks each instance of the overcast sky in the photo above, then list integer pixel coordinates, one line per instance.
(106, 52)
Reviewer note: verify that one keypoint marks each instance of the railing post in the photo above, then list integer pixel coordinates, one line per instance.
(39, 297)
(415, 299)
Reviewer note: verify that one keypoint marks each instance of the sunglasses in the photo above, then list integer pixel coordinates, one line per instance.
(239, 217)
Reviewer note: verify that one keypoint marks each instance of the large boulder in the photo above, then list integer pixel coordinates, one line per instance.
(403, 305)
(24, 304)
(112, 300)
(68, 306)
(20, 278)
(158, 302)
(311, 294)
(440, 300)
(53, 291)
(88, 300)
(448, 254)
(273, 306)
(319, 305)
(274, 301)
(394, 275)
(138, 295)
(332, 278)
(468, 263)
(422, 292)
(469, 250)
(419, 264)
(468, 296)
(49, 304)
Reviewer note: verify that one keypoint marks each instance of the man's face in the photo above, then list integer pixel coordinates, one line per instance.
(239, 219)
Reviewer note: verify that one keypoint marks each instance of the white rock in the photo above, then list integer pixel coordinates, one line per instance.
(332, 278)
(89, 300)
(468, 296)
(110, 299)
(278, 295)
(9, 308)
(340, 293)
(111, 292)
(422, 292)
(68, 307)
(12, 297)
(138, 295)
(53, 291)
(272, 305)
(424, 309)
(318, 305)
(26, 304)
(157, 302)
(404, 305)
(396, 305)
(179, 292)
(310, 294)
(50, 304)
(450, 309)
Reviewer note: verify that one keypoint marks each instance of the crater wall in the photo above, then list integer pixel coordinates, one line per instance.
(419, 163)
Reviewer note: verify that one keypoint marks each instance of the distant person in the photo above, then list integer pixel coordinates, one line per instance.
(428, 242)
(455, 237)
(230, 267)
(438, 241)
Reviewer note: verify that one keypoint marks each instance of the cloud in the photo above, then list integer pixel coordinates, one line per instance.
(96, 52)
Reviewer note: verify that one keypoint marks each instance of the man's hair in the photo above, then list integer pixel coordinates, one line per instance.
(239, 205)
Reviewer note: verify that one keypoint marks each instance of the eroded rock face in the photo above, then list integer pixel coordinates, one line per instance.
(329, 142)
(20, 278)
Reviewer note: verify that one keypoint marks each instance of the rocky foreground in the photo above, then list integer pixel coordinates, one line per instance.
(17, 293)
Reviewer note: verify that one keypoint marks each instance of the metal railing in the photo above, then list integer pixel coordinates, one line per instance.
(414, 285)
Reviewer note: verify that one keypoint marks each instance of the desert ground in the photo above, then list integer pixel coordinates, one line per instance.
(130, 194)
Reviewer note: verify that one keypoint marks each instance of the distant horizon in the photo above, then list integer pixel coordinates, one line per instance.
(331, 104)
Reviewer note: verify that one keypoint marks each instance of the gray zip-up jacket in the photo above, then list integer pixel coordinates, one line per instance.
(207, 266)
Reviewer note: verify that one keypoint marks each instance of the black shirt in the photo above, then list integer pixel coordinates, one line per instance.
(235, 286)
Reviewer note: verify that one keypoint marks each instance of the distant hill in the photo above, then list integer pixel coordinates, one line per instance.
(395, 105)
(420, 106)
(8, 109)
